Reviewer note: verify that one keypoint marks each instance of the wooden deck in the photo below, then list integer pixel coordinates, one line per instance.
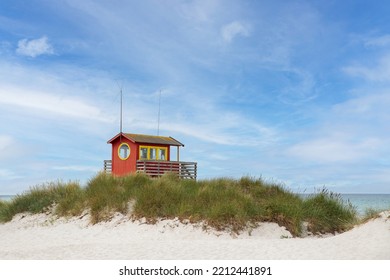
(157, 168)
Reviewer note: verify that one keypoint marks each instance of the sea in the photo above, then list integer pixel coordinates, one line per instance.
(6, 197)
(361, 202)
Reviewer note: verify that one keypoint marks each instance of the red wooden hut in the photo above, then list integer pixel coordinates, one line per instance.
(146, 153)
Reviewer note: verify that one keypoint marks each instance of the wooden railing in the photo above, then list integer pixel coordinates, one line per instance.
(156, 168)
(108, 166)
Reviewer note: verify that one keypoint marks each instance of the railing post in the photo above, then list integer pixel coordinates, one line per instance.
(196, 170)
(107, 166)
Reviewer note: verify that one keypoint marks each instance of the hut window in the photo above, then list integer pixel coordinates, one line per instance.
(124, 151)
(161, 154)
(143, 153)
(152, 153)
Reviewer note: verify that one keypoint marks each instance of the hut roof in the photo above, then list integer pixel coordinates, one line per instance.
(148, 139)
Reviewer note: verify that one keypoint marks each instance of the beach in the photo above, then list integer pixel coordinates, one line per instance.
(46, 237)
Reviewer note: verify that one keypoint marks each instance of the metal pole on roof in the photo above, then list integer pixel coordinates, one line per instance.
(158, 119)
(121, 112)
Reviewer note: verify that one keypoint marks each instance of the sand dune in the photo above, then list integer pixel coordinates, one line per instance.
(45, 237)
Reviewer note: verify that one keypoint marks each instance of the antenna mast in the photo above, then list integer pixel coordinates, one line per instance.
(158, 120)
(121, 111)
(120, 86)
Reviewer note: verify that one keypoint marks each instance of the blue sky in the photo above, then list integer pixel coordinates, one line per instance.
(293, 91)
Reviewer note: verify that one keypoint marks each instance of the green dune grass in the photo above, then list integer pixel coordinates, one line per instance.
(221, 203)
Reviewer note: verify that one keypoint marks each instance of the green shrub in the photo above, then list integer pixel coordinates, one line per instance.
(286, 210)
(105, 194)
(133, 183)
(161, 198)
(38, 199)
(72, 200)
(327, 212)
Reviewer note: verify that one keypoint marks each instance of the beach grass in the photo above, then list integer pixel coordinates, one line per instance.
(326, 212)
(40, 199)
(369, 214)
(221, 203)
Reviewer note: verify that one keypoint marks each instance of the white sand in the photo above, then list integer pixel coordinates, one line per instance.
(44, 237)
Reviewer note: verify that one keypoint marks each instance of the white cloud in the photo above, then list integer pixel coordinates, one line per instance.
(371, 106)
(334, 149)
(34, 48)
(234, 130)
(50, 103)
(381, 41)
(300, 89)
(380, 72)
(81, 168)
(5, 141)
(6, 174)
(354, 131)
(5, 47)
(234, 29)
(5, 146)
(202, 11)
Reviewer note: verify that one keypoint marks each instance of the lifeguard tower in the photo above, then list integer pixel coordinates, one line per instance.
(148, 154)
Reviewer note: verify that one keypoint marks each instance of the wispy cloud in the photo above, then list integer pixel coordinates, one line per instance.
(300, 87)
(200, 11)
(354, 131)
(368, 106)
(5, 146)
(49, 103)
(236, 28)
(55, 95)
(378, 41)
(379, 71)
(78, 168)
(198, 118)
(335, 149)
(34, 47)
(5, 47)
(7, 174)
